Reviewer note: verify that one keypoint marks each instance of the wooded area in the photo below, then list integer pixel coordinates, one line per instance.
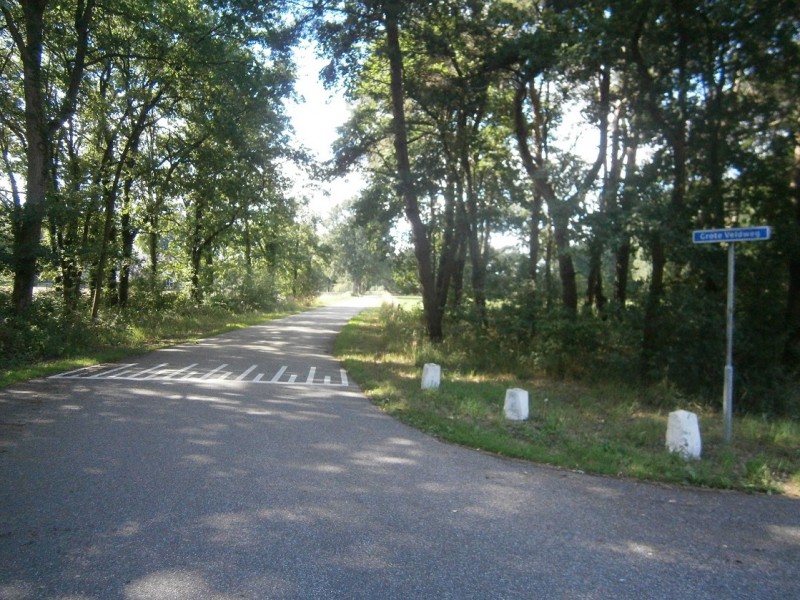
(143, 143)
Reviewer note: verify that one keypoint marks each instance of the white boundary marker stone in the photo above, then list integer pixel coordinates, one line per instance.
(683, 434)
(516, 404)
(431, 374)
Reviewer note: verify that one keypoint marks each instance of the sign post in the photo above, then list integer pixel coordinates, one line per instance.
(730, 237)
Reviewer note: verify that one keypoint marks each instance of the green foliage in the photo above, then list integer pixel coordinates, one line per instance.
(600, 351)
(607, 427)
(46, 331)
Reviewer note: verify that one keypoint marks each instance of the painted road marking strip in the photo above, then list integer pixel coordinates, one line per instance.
(120, 375)
(179, 371)
(211, 373)
(277, 375)
(156, 374)
(156, 368)
(108, 373)
(68, 373)
(161, 372)
(246, 373)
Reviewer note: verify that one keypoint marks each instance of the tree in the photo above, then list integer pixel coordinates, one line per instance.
(380, 23)
(49, 98)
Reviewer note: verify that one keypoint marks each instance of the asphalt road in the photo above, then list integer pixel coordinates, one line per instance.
(250, 466)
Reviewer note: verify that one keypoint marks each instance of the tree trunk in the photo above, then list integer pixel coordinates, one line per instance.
(623, 251)
(434, 312)
(791, 352)
(450, 276)
(112, 287)
(594, 285)
(477, 262)
(559, 211)
(128, 236)
(566, 267)
(28, 219)
(40, 130)
(108, 227)
(197, 253)
(673, 125)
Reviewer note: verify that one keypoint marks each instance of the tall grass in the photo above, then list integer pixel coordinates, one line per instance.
(605, 428)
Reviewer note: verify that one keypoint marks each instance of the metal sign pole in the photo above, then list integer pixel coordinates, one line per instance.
(727, 389)
(730, 236)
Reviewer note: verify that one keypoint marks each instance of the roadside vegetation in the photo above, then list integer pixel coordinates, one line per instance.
(580, 419)
(48, 340)
(609, 427)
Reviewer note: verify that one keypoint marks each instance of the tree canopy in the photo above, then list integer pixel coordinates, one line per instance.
(480, 111)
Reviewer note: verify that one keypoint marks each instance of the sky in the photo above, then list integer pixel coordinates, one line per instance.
(315, 116)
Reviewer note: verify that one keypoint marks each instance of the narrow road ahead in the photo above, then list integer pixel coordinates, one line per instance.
(250, 466)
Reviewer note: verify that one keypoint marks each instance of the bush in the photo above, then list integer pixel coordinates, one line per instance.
(46, 331)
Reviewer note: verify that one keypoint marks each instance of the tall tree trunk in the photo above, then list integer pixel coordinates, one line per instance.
(450, 277)
(434, 310)
(791, 353)
(40, 130)
(542, 189)
(560, 212)
(548, 268)
(127, 238)
(478, 271)
(566, 266)
(152, 250)
(112, 287)
(624, 248)
(595, 295)
(108, 228)
(529, 162)
(28, 219)
(673, 125)
(112, 192)
(196, 255)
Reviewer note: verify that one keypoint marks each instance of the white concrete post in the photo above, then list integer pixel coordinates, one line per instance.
(431, 374)
(683, 434)
(516, 404)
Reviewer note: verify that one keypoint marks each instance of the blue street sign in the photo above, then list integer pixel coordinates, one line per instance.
(740, 234)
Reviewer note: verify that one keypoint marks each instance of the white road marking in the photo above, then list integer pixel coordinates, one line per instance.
(246, 373)
(277, 375)
(108, 373)
(120, 375)
(178, 372)
(162, 372)
(156, 368)
(211, 373)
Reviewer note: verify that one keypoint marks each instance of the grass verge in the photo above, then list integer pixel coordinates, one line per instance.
(602, 429)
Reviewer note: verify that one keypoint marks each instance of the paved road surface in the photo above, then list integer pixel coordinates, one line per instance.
(250, 466)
